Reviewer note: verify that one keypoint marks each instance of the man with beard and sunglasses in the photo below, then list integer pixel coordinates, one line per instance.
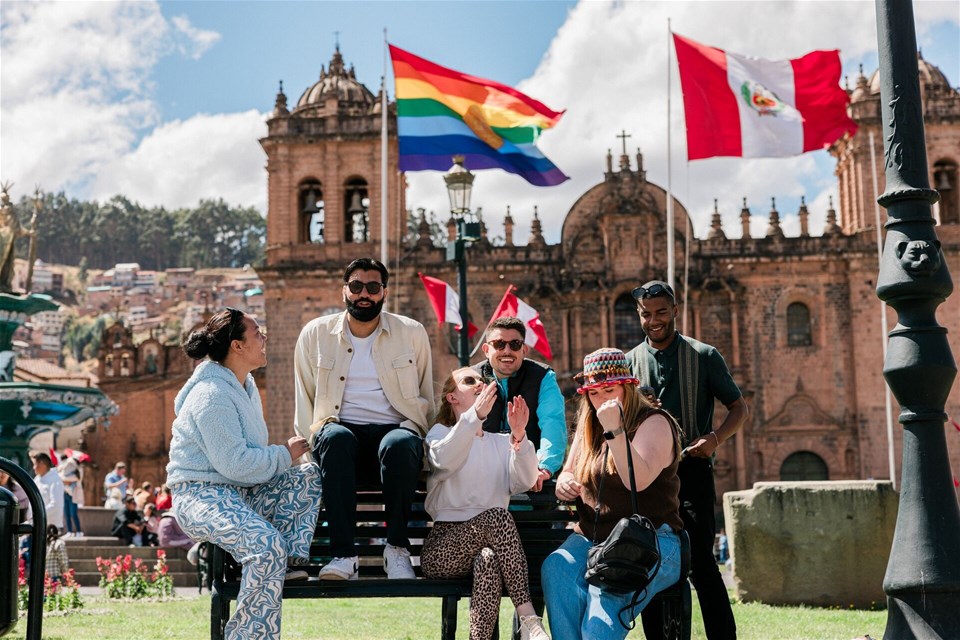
(364, 399)
(685, 377)
(536, 383)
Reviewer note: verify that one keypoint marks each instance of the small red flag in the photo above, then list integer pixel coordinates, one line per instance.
(536, 336)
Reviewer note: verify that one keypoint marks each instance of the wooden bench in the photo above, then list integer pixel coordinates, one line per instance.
(541, 521)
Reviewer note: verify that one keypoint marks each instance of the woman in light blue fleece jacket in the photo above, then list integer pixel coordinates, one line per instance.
(229, 485)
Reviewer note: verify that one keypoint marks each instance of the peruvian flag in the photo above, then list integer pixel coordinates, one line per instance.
(536, 335)
(445, 302)
(738, 105)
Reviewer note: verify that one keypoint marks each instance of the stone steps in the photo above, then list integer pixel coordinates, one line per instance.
(83, 554)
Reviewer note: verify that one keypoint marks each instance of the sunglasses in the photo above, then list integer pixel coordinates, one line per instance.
(473, 381)
(652, 291)
(373, 288)
(594, 378)
(500, 345)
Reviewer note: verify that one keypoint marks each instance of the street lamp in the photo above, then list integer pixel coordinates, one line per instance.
(923, 574)
(460, 187)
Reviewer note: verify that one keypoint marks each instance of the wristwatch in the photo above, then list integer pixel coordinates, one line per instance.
(610, 435)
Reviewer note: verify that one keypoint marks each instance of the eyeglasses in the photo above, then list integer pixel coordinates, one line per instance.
(500, 345)
(373, 288)
(652, 291)
(473, 381)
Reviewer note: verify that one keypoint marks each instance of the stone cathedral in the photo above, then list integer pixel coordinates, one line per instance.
(796, 318)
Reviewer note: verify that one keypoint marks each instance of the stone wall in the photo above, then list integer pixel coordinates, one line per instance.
(813, 543)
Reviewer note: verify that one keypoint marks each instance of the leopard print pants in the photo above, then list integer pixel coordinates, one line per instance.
(489, 545)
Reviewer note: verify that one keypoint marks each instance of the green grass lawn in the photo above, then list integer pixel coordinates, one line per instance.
(409, 618)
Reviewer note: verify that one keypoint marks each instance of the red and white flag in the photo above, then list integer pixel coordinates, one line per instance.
(445, 302)
(738, 105)
(536, 335)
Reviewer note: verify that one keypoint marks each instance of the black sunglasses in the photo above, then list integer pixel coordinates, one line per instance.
(373, 288)
(652, 291)
(500, 345)
(472, 381)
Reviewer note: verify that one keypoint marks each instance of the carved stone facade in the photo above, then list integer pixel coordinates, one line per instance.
(797, 318)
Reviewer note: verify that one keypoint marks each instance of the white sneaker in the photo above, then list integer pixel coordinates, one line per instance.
(396, 562)
(193, 554)
(295, 575)
(531, 628)
(340, 569)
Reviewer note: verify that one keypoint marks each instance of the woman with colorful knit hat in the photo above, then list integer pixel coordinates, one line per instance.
(612, 416)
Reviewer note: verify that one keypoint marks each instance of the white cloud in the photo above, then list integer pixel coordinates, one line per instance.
(607, 67)
(195, 42)
(180, 162)
(76, 89)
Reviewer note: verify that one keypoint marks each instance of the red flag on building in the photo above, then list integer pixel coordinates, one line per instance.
(536, 335)
(738, 105)
(445, 303)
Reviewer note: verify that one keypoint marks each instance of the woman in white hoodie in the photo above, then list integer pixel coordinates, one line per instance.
(474, 473)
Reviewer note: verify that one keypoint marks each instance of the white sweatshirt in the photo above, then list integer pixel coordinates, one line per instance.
(471, 473)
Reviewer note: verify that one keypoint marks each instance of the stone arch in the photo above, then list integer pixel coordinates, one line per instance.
(945, 182)
(798, 295)
(310, 211)
(356, 208)
(804, 465)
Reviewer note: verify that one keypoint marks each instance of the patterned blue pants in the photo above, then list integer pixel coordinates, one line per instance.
(261, 527)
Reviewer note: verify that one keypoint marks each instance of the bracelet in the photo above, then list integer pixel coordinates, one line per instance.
(515, 441)
(717, 437)
(610, 435)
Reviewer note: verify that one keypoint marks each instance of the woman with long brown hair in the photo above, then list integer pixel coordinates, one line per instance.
(612, 416)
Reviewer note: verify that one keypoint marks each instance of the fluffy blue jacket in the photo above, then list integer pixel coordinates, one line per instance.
(219, 434)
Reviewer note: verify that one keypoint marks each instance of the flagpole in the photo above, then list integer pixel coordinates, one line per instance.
(883, 319)
(670, 266)
(383, 154)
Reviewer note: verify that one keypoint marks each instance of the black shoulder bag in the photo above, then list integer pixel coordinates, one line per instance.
(629, 559)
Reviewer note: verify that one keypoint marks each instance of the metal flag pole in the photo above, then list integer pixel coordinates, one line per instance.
(383, 154)
(671, 275)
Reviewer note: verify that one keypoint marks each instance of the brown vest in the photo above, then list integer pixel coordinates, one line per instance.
(660, 501)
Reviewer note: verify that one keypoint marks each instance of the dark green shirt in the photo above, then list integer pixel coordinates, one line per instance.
(714, 379)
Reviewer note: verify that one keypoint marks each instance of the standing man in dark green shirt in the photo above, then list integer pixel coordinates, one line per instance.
(686, 376)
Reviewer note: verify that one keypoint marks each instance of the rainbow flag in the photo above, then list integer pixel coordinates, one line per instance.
(442, 113)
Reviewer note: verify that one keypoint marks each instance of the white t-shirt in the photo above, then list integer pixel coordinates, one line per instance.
(364, 401)
(51, 492)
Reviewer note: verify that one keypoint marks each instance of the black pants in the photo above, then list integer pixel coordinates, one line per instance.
(697, 498)
(372, 455)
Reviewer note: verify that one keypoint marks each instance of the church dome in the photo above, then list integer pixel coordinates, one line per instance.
(339, 83)
(930, 77)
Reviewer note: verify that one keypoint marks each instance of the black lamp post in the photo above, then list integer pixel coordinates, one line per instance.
(923, 574)
(460, 186)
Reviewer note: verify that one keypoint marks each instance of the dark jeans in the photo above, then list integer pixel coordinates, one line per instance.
(367, 454)
(697, 498)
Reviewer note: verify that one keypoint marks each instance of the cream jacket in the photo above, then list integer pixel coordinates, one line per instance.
(401, 355)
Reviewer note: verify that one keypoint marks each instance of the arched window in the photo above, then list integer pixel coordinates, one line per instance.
(310, 206)
(945, 182)
(626, 323)
(804, 465)
(798, 325)
(356, 203)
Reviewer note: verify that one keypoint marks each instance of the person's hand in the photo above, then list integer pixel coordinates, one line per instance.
(542, 477)
(609, 415)
(702, 447)
(297, 446)
(567, 488)
(485, 400)
(518, 413)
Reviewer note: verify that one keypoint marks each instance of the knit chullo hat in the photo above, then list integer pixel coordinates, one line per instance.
(602, 368)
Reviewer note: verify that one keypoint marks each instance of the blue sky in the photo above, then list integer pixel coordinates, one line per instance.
(165, 102)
